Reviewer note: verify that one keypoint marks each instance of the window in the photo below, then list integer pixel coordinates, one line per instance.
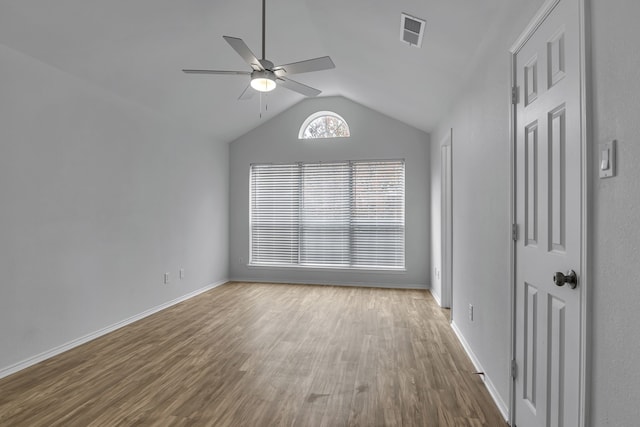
(324, 124)
(347, 214)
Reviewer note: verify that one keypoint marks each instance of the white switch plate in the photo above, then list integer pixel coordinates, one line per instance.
(182, 273)
(607, 161)
(166, 278)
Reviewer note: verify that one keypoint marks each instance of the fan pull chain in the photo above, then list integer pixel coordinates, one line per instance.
(266, 103)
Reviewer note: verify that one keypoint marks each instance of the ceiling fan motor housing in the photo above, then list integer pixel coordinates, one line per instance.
(266, 64)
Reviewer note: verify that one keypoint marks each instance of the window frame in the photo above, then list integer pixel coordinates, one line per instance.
(317, 115)
(352, 256)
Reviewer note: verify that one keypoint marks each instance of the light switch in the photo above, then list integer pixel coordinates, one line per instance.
(608, 159)
(604, 160)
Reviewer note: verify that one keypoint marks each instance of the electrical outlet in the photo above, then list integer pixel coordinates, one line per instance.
(166, 278)
(470, 312)
(181, 273)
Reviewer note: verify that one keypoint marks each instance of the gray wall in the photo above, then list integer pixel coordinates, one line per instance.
(374, 136)
(481, 212)
(481, 215)
(616, 215)
(99, 198)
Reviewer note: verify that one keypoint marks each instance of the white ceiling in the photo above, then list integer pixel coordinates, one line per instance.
(137, 48)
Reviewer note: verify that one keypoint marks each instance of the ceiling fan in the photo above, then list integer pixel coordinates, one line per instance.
(265, 76)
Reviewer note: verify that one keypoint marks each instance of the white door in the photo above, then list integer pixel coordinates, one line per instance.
(548, 140)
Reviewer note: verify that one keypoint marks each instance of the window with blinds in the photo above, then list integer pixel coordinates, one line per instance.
(347, 214)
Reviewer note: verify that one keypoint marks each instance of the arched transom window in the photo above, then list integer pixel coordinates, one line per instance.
(324, 124)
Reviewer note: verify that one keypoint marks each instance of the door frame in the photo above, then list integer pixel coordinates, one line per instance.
(446, 224)
(586, 191)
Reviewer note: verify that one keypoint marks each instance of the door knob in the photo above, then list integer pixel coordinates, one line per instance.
(571, 278)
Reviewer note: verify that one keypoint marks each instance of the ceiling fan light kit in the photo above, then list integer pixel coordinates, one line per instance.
(263, 81)
(264, 76)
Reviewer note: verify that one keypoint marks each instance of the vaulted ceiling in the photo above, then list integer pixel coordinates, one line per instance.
(137, 49)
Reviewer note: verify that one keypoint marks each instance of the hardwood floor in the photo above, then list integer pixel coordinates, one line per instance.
(248, 354)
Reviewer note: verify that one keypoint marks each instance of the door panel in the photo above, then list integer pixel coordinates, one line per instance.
(548, 208)
(531, 184)
(530, 340)
(557, 184)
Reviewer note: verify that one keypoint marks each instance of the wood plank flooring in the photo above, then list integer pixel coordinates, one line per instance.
(247, 354)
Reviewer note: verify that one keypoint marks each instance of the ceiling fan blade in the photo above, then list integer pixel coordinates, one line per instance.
(298, 87)
(243, 50)
(242, 73)
(316, 64)
(247, 93)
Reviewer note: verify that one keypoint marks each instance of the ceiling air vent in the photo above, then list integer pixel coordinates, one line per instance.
(411, 29)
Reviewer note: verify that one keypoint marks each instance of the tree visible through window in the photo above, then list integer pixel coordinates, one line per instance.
(324, 124)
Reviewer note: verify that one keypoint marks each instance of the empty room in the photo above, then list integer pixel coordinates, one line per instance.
(304, 213)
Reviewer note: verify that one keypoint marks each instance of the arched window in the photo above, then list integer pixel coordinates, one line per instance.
(324, 124)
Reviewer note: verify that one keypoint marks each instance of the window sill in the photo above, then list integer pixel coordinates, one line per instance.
(371, 270)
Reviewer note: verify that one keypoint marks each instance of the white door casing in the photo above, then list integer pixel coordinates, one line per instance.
(549, 213)
(446, 221)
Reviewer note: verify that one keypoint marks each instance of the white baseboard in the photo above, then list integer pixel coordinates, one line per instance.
(436, 297)
(331, 283)
(502, 406)
(5, 372)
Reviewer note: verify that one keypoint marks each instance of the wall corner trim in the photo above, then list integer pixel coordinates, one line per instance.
(502, 406)
(12, 369)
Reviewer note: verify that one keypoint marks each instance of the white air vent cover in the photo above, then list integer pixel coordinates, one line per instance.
(411, 29)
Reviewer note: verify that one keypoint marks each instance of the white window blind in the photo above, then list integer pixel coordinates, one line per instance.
(347, 214)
